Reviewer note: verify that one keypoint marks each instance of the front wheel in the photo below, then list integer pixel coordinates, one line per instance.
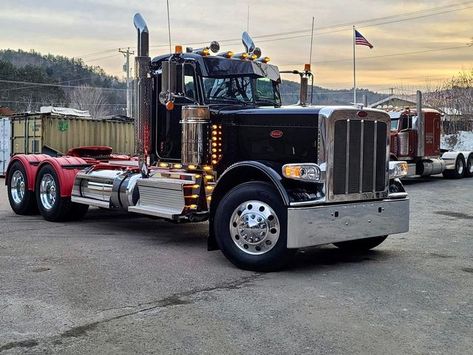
(361, 244)
(51, 205)
(251, 227)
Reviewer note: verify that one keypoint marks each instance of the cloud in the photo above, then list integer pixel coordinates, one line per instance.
(76, 28)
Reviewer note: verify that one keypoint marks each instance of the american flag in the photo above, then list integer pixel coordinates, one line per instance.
(361, 41)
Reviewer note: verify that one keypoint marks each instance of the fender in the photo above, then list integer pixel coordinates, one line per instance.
(238, 173)
(243, 171)
(30, 162)
(66, 169)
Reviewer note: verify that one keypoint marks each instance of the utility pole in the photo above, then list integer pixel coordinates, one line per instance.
(126, 68)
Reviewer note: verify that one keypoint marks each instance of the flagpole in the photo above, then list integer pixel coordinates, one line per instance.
(354, 66)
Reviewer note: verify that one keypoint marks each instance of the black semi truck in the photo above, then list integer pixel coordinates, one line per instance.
(215, 143)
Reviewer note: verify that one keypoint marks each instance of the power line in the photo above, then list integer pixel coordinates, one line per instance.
(385, 55)
(342, 26)
(55, 103)
(33, 86)
(100, 58)
(58, 85)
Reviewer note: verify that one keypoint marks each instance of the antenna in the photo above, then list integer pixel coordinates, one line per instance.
(311, 41)
(169, 27)
(248, 19)
(310, 61)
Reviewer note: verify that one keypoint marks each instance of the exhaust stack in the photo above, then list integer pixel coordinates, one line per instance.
(420, 126)
(143, 95)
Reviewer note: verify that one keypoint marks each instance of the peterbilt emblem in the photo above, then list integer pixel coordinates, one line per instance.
(276, 133)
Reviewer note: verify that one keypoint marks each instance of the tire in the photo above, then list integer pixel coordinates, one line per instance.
(469, 166)
(361, 244)
(22, 201)
(459, 170)
(51, 205)
(251, 227)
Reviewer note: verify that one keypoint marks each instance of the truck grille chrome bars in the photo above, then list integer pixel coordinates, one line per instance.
(358, 161)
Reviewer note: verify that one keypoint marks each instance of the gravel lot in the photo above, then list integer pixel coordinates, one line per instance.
(117, 283)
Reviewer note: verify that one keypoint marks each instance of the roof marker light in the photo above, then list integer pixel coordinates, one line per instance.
(227, 54)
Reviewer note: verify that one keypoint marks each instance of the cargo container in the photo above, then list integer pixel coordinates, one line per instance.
(5, 137)
(55, 135)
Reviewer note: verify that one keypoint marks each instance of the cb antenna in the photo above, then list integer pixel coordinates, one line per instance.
(311, 41)
(169, 27)
(310, 61)
(248, 20)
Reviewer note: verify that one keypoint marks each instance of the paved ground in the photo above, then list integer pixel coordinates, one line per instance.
(122, 284)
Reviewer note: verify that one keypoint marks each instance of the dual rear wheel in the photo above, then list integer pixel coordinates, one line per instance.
(463, 168)
(46, 197)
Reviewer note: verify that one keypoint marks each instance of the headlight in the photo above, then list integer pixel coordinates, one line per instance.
(397, 169)
(305, 172)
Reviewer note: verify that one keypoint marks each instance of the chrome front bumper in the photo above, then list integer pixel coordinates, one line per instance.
(316, 225)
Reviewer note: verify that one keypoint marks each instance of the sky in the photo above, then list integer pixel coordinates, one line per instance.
(416, 43)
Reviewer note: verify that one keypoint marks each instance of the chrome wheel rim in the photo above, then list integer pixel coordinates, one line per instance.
(254, 227)
(470, 165)
(18, 186)
(47, 191)
(460, 167)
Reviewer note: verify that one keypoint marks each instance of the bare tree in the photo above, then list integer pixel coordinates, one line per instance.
(455, 98)
(90, 99)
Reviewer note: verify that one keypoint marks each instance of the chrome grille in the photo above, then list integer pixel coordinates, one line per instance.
(359, 159)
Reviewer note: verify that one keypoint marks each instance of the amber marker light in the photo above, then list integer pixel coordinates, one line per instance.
(306, 67)
(306, 172)
(163, 165)
(169, 105)
(178, 49)
(292, 171)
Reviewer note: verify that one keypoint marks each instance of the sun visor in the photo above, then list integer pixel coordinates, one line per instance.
(218, 67)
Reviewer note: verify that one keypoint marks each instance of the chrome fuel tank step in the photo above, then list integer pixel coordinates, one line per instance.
(161, 197)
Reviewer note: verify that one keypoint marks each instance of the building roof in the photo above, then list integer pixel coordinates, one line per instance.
(408, 99)
(66, 111)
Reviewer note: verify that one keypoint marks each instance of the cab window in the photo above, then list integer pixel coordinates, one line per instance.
(189, 82)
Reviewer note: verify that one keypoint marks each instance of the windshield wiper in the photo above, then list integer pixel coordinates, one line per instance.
(230, 101)
(266, 101)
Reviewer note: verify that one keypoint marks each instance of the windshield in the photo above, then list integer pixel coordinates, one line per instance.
(241, 90)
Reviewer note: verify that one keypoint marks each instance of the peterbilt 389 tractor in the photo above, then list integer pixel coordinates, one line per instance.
(214, 143)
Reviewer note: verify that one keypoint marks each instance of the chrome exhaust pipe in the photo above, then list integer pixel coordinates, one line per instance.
(420, 125)
(143, 95)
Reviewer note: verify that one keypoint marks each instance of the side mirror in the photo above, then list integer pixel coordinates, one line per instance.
(172, 81)
(248, 42)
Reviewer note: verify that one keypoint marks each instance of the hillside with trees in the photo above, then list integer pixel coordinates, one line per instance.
(57, 81)
(323, 96)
